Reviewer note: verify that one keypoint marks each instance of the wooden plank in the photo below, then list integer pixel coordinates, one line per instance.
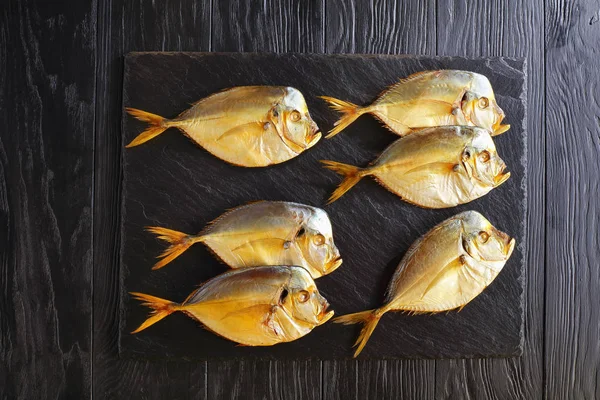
(379, 27)
(572, 208)
(270, 26)
(482, 28)
(126, 26)
(46, 166)
(264, 380)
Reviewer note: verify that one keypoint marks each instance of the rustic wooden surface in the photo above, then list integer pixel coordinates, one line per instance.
(60, 149)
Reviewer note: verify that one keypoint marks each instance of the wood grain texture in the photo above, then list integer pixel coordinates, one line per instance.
(46, 166)
(484, 28)
(269, 26)
(380, 27)
(126, 26)
(375, 27)
(573, 209)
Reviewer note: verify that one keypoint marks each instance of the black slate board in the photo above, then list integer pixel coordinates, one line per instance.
(171, 182)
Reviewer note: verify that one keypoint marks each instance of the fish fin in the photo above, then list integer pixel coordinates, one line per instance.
(156, 126)
(402, 81)
(246, 250)
(393, 125)
(369, 318)
(500, 130)
(180, 242)
(161, 308)
(350, 112)
(241, 130)
(351, 176)
(416, 75)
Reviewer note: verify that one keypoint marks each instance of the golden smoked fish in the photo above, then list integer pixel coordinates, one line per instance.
(428, 99)
(263, 233)
(432, 168)
(248, 126)
(445, 269)
(259, 306)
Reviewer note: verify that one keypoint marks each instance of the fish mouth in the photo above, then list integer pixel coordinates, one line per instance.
(500, 129)
(333, 264)
(501, 177)
(509, 247)
(325, 315)
(314, 139)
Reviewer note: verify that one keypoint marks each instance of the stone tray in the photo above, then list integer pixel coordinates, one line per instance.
(171, 182)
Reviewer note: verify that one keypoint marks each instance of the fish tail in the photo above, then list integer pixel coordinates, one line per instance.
(369, 318)
(180, 242)
(351, 176)
(156, 127)
(350, 112)
(160, 309)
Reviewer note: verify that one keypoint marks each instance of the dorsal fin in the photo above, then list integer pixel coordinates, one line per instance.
(402, 81)
(414, 76)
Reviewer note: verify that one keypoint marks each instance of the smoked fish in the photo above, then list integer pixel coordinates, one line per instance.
(445, 269)
(259, 306)
(263, 233)
(248, 126)
(433, 168)
(428, 99)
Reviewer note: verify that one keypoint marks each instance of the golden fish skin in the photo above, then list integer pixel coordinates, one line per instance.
(248, 126)
(428, 99)
(259, 306)
(433, 168)
(263, 233)
(443, 270)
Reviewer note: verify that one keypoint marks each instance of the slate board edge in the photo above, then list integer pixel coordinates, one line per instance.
(518, 351)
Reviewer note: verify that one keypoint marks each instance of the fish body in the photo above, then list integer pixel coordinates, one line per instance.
(259, 306)
(249, 126)
(445, 269)
(434, 168)
(264, 233)
(428, 99)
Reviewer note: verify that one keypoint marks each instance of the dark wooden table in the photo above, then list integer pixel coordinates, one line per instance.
(61, 67)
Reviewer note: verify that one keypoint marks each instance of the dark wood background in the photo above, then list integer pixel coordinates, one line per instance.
(61, 66)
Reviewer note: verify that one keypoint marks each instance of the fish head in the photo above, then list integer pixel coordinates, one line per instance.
(302, 301)
(315, 240)
(482, 241)
(481, 109)
(295, 123)
(482, 162)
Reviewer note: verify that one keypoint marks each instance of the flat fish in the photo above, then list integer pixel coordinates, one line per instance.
(248, 126)
(433, 168)
(428, 99)
(444, 270)
(263, 233)
(259, 306)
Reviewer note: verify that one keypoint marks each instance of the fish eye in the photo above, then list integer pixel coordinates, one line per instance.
(483, 102)
(295, 116)
(303, 296)
(283, 295)
(484, 156)
(484, 236)
(319, 239)
(466, 155)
